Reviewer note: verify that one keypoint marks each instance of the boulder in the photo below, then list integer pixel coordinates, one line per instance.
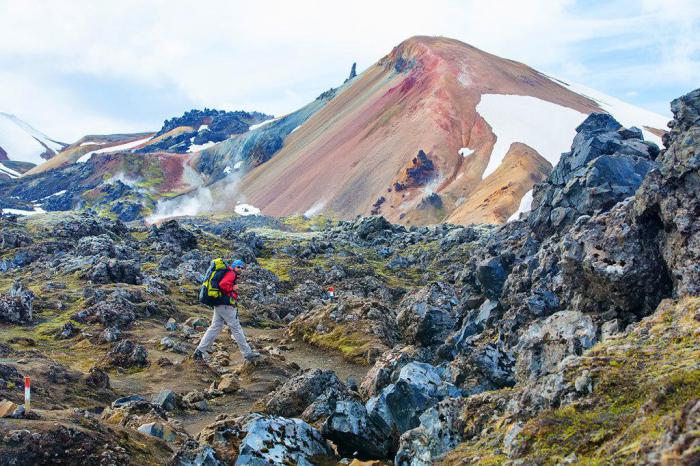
(668, 203)
(170, 236)
(166, 399)
(265, 439)
(369, 228)
(16, 306)
(441, 429)
(350, 428)
(127, 354)
(97, 378)
(427, 316)
(491, 276)
(192, 453)
(10, 409)
(388, 365)
(297, 393)
(115, 271)
(398, 406)
(546, 343)
(158, 429)
(229, 383)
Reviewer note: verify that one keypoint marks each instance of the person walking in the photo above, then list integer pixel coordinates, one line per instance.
(225, 311)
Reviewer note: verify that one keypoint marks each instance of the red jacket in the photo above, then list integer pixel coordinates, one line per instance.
(227, 282)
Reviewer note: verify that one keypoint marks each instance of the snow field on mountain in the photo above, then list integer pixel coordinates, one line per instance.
(121, 147)
(517, 118)
(21, 141)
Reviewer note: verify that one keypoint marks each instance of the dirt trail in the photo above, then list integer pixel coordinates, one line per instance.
(184, 375)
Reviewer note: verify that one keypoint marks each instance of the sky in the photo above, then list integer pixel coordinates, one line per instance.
(72, 68)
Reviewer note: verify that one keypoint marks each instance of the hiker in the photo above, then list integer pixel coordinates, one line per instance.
(221, 291)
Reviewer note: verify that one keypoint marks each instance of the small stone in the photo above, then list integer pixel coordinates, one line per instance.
(584, 383)
(171, 325)
(166, 399)
(229, 384)
(7, 408)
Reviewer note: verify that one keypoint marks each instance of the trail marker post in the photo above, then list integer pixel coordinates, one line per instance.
(27, 394)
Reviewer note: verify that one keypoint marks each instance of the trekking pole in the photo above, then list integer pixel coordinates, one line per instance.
(27, 395)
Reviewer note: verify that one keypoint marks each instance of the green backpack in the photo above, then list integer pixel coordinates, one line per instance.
(209, 292)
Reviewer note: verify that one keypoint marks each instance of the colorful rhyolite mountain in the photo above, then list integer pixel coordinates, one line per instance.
(486, 129)
(22, 146)
(436, 131)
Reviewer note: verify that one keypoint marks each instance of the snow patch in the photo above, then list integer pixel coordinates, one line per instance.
(203, 127)
(121, 147)
(246, 209)
(260, 125)
(238, 165)
(92, 143)
(465, 152)
(227, 170)
(9, 172)
(546, 127)
(37, 210)
(295, 129)
(525, 206)
(22, 142)
(198, 147)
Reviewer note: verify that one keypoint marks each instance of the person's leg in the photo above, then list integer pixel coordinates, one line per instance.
(217, 323)
(230, 315)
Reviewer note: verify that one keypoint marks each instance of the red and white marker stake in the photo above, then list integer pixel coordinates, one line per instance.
(27, 394)
(331, 293)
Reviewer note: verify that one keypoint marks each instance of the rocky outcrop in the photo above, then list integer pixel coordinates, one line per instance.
(115, 271)
(607, 163)
(361, 329)
(170, 236)
(668, 202)
(16, 306)
(127, 354)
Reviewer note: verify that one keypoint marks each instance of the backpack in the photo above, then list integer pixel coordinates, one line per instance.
(209, 292)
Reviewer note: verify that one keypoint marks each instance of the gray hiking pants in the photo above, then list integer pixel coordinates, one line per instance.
(225, 315)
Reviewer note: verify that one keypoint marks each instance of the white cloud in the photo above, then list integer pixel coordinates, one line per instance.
(274, 56)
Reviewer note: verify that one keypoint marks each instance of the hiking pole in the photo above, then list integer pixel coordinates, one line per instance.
(27, 395)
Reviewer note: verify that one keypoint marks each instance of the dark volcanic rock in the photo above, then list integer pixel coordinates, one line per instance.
(264, 439)
(354, 432)
(427, 316)
(297, 393)
(115, 271)
(127, 354)
(16, 306)
(606, 165)
(170, 236)
(668, 200)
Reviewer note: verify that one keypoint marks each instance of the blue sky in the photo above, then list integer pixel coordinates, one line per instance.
(77, 67)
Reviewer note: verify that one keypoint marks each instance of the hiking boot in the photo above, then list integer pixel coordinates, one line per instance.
(252, 356)
(200, 356)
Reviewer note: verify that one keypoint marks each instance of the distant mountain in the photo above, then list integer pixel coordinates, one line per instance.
(22, 146)
(436, 131)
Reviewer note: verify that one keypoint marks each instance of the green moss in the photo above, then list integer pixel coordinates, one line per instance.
(279, 266)
(354, 346)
